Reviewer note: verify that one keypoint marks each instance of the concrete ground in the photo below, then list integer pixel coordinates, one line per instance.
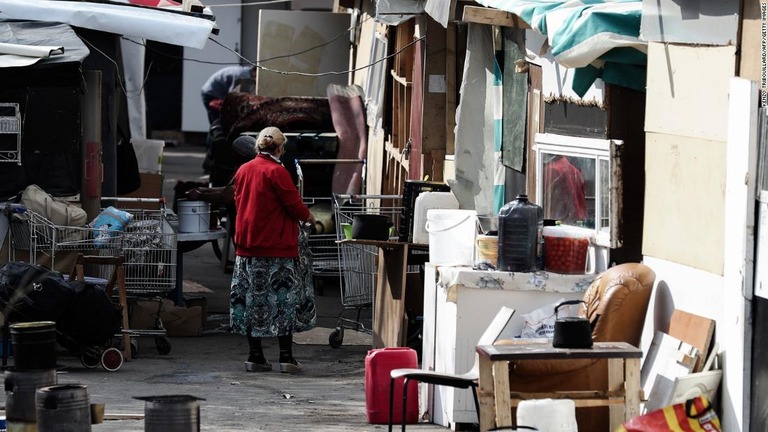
(328, 396)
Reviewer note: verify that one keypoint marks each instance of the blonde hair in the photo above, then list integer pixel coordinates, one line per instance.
(269, 140)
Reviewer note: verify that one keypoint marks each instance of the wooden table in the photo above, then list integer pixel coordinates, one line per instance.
(389, 318)
(623, 379)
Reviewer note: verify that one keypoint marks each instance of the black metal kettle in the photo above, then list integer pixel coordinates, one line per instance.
(571, 332)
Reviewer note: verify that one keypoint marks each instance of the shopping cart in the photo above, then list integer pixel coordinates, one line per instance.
(358, 261)
(322, 241)
(147, 245)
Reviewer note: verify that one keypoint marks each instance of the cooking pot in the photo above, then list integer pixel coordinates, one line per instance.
(571, 332)
(370, 227)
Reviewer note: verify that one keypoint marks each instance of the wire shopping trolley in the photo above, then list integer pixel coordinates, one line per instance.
(148, 247)
(358, 261)
(322, 240)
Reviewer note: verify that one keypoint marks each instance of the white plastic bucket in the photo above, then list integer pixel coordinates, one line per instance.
(149, 155)
(451, 236)
(555, 415)
(194, 216)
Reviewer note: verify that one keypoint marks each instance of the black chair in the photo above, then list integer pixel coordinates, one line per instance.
(462, 381)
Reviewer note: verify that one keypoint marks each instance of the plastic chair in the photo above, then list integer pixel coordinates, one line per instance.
(463, 381)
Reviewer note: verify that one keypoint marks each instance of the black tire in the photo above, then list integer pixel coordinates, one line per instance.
(336, 338)
(163, 345)
(90, 359)
(134, 348)
(112, 359)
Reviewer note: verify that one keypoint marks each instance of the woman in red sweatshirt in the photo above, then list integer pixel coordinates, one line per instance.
(267, 286)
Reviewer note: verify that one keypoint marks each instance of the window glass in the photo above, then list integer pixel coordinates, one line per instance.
(573, 183)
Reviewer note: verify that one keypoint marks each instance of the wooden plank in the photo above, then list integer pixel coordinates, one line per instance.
(490, 16)
(616, 381)
(434, 90)
(695, 330)
(501, 394)
(485, 394)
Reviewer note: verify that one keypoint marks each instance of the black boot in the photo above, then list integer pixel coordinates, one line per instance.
(256, 360)
(288, 364)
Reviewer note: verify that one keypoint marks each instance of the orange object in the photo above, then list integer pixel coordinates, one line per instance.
(378, 364)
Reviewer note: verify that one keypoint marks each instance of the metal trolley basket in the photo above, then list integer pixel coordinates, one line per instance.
(358, 261)
(322, 242)
(147, 245)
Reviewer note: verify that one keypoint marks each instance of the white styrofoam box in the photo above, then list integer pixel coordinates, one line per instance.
(426, 201)
(149, 155)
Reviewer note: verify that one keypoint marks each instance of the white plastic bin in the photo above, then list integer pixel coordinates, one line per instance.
(451, 236)
(149, 155)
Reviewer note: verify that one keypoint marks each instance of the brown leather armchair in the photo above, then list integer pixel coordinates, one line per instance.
(616, 304)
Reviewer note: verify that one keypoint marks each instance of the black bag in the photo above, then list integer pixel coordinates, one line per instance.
(92, 318)
(30, 292)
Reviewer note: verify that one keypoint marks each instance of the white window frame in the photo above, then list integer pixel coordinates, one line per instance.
(599, 150)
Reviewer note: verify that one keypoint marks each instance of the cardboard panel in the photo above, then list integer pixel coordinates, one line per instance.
(690, 80)
(684, 201)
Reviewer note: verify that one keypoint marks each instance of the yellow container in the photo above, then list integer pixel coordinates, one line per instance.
(487, 248)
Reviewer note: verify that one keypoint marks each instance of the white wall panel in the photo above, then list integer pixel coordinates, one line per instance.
(688, 90)
(684, 200)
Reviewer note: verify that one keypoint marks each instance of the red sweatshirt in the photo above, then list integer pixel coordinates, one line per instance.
(269, 208)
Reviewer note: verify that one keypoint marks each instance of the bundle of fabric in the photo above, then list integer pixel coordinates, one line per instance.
(243, 112)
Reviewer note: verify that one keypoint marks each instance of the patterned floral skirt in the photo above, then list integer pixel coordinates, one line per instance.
(273, 296)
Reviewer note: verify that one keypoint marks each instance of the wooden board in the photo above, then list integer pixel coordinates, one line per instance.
(668, 359)
(695, 330)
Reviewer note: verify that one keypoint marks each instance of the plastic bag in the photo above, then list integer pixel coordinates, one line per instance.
(693, 415)
(541, 322)
(108, 224)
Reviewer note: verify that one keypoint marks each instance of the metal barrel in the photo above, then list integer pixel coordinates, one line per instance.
(34, 345)
(63, 408)
(171, 413)
(20, 388)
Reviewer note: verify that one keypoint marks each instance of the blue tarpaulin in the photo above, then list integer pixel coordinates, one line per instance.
(598, 38)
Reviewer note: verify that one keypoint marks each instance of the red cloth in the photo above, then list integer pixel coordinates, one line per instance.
(565, 196)
(269, 208)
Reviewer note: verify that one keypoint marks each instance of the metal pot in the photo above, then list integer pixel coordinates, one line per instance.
(571, 332)
(370, 227)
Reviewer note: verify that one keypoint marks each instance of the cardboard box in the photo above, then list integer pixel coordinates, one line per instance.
(177, 321)
(151, 187)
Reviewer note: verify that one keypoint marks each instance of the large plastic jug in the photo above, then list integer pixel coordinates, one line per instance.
(520, 226)
(378, 364)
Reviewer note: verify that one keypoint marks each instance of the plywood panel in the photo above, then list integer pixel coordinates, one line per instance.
(684, 200)
(695, 330)
(688, 90)
(304, 42)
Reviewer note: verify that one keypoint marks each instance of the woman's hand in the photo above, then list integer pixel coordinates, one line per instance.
(194, 194)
